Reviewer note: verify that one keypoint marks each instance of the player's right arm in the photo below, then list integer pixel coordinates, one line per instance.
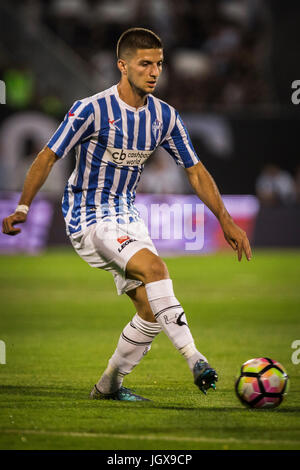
(35, 178)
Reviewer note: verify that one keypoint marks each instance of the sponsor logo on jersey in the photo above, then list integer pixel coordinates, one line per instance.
(72, 117)
(124, 157)
(124, 241)
(113, 123)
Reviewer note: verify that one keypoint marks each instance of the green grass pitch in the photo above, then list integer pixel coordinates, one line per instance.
(61, 319)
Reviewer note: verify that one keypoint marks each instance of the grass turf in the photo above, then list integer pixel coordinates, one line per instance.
(61, 319)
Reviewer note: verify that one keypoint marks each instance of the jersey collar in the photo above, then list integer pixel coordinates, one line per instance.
(127, 106)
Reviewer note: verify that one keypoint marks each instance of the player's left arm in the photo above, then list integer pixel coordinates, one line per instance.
(206, 189)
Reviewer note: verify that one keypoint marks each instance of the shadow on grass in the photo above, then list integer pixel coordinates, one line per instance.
(43, 391)
(197, 408)
(82, 394)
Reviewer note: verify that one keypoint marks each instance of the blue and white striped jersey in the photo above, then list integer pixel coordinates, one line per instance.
(112, 141)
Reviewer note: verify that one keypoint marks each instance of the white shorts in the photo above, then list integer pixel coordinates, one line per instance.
(109, 245)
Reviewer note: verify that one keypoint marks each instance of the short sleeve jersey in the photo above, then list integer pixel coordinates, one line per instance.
(112, 142)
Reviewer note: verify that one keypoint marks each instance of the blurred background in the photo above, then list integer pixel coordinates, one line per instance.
(229, 70)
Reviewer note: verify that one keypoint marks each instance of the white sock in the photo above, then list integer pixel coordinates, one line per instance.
(170, 315)
(134, 343)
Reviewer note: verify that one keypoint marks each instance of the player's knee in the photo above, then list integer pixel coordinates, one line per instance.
(156, 270)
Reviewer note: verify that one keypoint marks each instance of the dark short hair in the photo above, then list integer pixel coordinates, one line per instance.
(137, 38)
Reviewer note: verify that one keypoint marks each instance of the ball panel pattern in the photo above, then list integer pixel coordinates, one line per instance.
(255, 365)
(248, 388)
(263, 383)
(273, 381)
(268, 402)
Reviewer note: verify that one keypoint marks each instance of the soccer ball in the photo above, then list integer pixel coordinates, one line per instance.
(263, 383)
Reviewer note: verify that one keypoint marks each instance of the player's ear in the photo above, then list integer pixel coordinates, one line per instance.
(122, 66)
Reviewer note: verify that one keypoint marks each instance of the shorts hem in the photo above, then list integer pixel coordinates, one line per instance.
(129, 287)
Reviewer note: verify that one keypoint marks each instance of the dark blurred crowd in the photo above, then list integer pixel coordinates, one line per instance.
(277, 187)
(274, 186)
(217, 57)
(216, 51)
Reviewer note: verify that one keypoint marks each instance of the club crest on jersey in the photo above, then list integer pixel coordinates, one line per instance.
(156, 129)
(72, 117)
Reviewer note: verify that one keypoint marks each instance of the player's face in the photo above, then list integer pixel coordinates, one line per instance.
(144, 69)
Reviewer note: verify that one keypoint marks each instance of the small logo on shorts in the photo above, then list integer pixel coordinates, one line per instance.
(176, 318)
(125, 240)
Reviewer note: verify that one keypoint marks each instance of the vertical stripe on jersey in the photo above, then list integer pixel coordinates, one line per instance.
(90, 212)
(84, 131)
(130, 128)
(96, 159)
(65, 201)
(171, 152)
(109, 179)
(75, 212)
(90, 150)
(183, 153)
(166, 119)
(122, 181)
(152, 110)
(118, 141)
(62, 127)
(187, 141)
(134, 187)
(132, 181)
(71, 132)
(98, 194)
(97, 115)
(135, 130)
(124, 127)
(142, 131)
(148, 130)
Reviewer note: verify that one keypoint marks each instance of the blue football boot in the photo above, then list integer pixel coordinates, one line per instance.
(123, 394)
(204, 376)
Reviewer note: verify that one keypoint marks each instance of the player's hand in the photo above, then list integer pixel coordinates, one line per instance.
(13, 219)
(237, 239)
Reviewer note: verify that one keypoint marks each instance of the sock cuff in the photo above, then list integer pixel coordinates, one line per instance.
(147, 328)
(159, 289)
(189, 350)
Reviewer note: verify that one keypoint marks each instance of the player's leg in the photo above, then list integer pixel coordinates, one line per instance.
(109, 246)
(141, 303)
(134, 343)
(100, 247)
(168, 312)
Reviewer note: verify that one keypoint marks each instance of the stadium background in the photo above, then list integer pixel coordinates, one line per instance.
(229, 69)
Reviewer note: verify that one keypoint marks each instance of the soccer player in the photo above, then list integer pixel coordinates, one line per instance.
(114, 132)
